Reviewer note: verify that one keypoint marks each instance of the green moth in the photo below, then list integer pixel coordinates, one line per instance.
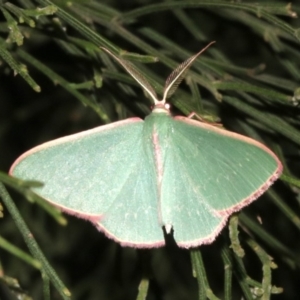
(133, 177)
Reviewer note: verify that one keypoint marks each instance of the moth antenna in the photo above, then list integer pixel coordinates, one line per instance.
(178, 74)
(139, 78)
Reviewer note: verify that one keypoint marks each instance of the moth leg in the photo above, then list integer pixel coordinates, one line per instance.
(194, 115)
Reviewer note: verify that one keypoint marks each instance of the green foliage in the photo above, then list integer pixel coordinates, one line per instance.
(249, 80)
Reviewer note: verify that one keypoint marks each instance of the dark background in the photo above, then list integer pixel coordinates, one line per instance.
(90, 265)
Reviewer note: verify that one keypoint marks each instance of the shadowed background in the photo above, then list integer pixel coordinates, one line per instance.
(247, 80)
